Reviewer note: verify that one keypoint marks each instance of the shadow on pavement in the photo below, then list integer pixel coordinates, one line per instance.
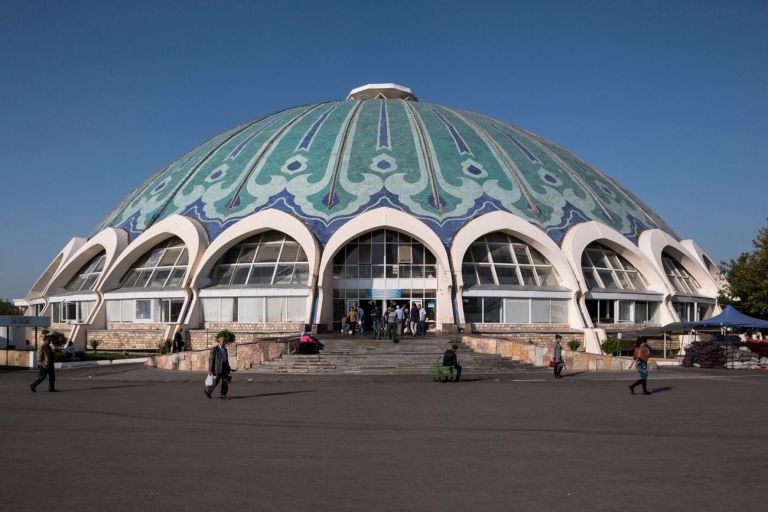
(661, 390)
(97, 388)
(573, 374)
(270, 394)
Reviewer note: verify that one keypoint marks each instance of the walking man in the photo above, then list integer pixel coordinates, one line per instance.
(218, 366)
(361, 318)
(640, 360)
(400, 319)
(558, 357)
(392, 324)
(45, 366)
(375, 320)
(422, 320)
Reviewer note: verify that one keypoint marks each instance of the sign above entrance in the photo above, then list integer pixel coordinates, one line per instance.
(25, 321)
(384, 293)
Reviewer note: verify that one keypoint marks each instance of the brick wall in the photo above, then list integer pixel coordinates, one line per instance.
(207, 338)
(137, 326)
(127, 339)
(624, 327)
(293, 327)
(505, 328)
(545, 339)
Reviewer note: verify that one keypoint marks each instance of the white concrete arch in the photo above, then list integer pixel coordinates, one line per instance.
(513, 225)
(190, 231)
(111, 241)
(265, 220)
(389, 218)
(578, 237)
(40, 287)
(705, 260)
(654, 242)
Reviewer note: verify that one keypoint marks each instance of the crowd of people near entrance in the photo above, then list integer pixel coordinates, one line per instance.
(396, 321)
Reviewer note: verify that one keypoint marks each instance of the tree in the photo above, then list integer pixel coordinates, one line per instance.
(6, 308)
(747, 277)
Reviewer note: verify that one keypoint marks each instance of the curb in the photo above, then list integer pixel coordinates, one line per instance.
(106, 362)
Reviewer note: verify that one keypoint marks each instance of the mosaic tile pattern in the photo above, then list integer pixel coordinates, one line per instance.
(328, 162)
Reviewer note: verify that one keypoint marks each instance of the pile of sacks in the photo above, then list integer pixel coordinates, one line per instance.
(704, 354)
(742, 358)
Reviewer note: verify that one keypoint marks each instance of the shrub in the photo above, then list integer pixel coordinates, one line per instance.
(95, 344)
(574, 345)
(58, 340)
(611, 346)
(164, 347)
(229, 336)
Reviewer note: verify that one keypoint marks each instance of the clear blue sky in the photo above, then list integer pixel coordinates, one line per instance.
(667, 97)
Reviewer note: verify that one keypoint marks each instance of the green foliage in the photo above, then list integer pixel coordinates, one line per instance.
(6, 308)
(747, 277)
(95, 344)
(164, 347)
(58, 340)
(574, 345)
(229, 336)
(611, 346)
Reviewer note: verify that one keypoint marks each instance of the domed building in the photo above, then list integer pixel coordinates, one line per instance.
(292, 218)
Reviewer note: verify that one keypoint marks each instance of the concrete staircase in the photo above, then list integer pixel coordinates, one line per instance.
(361, 355)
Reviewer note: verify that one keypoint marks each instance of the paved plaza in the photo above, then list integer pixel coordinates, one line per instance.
(131, 438)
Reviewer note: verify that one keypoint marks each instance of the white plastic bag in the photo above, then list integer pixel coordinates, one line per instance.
(209, 380)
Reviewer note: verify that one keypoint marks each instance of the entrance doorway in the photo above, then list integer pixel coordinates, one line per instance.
(385, 266)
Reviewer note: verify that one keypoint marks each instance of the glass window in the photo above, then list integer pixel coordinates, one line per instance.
(270, 258)
(250, 309)
(113, 311)
(295, 309)
(625, 311)
(127, 310)
(143, 309)
(88, 274)
(169, 258)
(492, 310)
(473, 309)
(212, 310)
(507, 275)
(540, 311)
(559, 311)
(517, 311)
(681, 279)
(275, 306)
(507, 261)
(614, 271)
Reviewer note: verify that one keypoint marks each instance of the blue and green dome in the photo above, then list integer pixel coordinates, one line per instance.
(327, 162)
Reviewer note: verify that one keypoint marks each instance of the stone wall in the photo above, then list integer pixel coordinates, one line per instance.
(128, 339)
(241, 356)
(62, 327)
(545, 339)
(541, 355)
(18, 358)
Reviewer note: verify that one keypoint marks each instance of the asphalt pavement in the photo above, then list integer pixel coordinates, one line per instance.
(134, 438)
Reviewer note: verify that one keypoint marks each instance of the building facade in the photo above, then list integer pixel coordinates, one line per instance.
(292, 218)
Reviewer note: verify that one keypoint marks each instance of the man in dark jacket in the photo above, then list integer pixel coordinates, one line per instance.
(451, 359)
(218, 366)
(45, 366)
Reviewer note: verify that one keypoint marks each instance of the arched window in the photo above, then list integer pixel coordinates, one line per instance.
(162, 267)
(604, 269)
(498, 271)
(681, 279)
(500, 259)
(617, 291)
(86, 277)
(266, 259)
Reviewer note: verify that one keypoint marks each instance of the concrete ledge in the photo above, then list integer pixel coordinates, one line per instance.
(105, 362)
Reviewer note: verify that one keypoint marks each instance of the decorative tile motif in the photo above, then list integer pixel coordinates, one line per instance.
(329, 162)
